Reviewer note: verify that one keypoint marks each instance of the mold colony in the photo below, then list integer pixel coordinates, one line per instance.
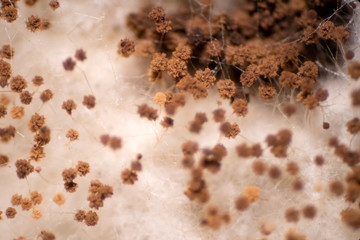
(275, 51)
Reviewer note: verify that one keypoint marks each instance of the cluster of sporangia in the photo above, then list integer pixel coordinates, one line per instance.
(239, 52)
(17, 87)
(243, 54)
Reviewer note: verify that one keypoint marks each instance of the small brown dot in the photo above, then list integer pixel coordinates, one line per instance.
(43, 136)
(167, 122)
(4, 160)
(3, 111)
(136, 166)
(293, 235)
(72, 134)
(36, 197)
(20, 238)
(318, 187)
(354, 70)
(10, 212)
(18, 84)
(36, 213)
(80, 215)
(147, 112)
(7, 52)
(352, 4)
(351, 217)
(45, 235)
(104, 139)
(7, 133)
(35, 23)
(98, 193)
(309, 211)
(38, 81)
(188, 161)
(292, 168)
(69, 64)
(69, 174)
(126, 47)
(59, 199)
(292, 214)
(274, 172)
(252, 193)
(158, 63)
(26, 204)
(128, 176)
(289, 109)
(17, 112)
(230, 130)
(353, 126)
(319, 160)
(189, 148)
(23, 168)
(355, 97)
(69, 106)
(226, 88)
(16, 200)
(326, 125)
(242, 203)
(240, 107)
(5, 73)
(80, 55)
(176, 68)
(267, 92)
(259, 167)
(91, 218)
(54, 4)
(9, 13)
(26, 97)
(115, 143)
(182, 52)
(297, 185)
(83, 168)
(31, 2)
(4, 100)
(36, 122)
(160, 98)
(70, 186)
(219, 115)
(196, 124)
(89, 101)
(337, 188)
(267, 228)
(46, 95)
(349, 55)
(321, 94)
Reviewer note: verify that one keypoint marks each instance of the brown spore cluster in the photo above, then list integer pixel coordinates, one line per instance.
(130, 175)
(113, 142)
(35, 23)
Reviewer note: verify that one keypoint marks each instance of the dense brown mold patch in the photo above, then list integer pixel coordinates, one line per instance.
(223, 51)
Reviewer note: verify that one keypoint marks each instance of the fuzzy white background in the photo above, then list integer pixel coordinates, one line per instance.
(155, 207)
